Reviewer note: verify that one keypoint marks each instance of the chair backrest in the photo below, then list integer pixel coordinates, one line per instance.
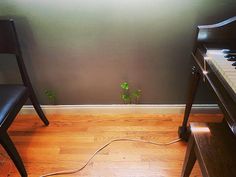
(9, 44)
(8, 38)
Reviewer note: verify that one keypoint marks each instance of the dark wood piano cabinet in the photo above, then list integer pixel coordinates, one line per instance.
(218, 36)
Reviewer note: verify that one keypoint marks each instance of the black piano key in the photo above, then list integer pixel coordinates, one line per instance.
(232, 51)
(230, 55)
(228, 51)
(232, 58)
(234, 64)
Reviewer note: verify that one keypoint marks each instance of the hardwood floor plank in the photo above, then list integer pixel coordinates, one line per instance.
(70, 140)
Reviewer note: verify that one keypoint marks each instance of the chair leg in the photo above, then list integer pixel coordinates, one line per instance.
(37, 107)
(12, 152)
(190, 159)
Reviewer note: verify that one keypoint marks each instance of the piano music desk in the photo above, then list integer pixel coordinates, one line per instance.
(213, 145)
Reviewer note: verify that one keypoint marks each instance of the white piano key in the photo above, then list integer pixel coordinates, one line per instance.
(223, 66)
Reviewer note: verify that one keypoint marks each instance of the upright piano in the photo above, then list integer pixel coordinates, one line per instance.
(214, 55)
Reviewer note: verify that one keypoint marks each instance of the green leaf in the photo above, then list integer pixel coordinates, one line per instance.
(136, 93)
(125, 97)
(50, 94)
(124, 85)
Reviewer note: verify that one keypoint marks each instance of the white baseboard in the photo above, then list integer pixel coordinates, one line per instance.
(123, 109)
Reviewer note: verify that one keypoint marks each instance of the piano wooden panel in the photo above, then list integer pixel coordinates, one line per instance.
(218, 35)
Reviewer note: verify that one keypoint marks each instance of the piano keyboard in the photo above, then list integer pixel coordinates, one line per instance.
(224, 62)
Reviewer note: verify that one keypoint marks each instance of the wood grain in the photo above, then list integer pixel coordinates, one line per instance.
(69, 141)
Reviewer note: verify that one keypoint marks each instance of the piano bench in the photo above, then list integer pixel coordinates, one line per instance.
(214, 146)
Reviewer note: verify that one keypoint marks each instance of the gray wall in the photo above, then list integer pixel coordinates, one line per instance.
(83, 49)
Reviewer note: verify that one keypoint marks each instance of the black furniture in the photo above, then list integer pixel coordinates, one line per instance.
(13, 97)
(213, 146)
(218, 36)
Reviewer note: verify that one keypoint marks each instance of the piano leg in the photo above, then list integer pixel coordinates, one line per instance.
(194, 82)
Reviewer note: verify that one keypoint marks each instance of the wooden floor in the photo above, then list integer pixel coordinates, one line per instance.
(70, 140)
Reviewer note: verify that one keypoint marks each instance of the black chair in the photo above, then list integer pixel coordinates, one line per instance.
(13, 97)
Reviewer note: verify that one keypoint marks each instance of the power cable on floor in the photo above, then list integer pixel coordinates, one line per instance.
(104, 146)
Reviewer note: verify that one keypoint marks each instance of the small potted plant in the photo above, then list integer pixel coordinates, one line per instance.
(51, 95)
(129, 96)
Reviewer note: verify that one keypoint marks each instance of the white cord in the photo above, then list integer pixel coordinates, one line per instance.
(101, 148)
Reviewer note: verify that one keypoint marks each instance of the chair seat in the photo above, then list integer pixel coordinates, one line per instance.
(10, 95)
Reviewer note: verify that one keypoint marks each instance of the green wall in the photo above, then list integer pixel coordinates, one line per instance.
(83, 49)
